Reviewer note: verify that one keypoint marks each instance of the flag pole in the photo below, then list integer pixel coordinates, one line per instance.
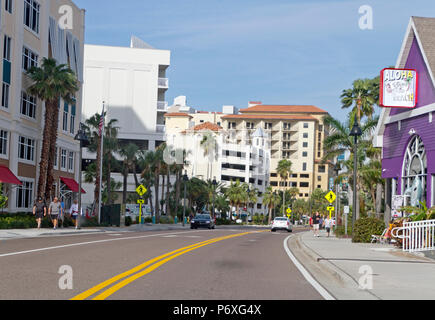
(101, 165)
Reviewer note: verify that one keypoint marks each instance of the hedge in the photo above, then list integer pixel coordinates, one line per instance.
(365, 227)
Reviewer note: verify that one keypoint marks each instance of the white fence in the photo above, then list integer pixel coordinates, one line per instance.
(416, 236)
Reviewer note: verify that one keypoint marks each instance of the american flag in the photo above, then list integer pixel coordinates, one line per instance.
(101, 125)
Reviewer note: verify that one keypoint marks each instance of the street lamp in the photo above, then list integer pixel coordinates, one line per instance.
(213, 191)
(337, 170)
(185, 179)
(355, 132)
(84, 142)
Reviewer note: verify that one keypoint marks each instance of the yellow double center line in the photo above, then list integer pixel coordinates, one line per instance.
(145, 268)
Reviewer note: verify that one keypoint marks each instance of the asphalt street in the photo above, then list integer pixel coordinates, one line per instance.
(160, 265)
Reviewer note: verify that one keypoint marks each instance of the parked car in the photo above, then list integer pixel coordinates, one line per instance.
(282, 223)
(202, 221)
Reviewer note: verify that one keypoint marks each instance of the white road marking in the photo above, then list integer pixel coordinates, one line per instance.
(322, 291)
(170, 236)
(85, 243)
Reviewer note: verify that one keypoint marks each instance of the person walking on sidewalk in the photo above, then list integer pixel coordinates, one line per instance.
(316, 224)
(55, 210)
(74, 211)
(39, 211)
(328, 223)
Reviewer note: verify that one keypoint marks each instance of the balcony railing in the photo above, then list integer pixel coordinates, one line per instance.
(161, 128)
(164, 83)
(162, 105)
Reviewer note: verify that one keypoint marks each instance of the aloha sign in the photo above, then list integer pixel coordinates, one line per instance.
(399, 88)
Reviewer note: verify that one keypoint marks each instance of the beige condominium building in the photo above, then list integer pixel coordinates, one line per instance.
(296, 134)
(30, 31)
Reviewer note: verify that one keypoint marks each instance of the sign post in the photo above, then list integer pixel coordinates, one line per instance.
(346, 212)
(330, 210)
(141, 190)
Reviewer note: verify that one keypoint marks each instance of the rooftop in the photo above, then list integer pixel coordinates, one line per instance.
(270, 117)
(283, 109)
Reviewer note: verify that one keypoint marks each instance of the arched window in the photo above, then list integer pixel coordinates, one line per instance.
(414, 172)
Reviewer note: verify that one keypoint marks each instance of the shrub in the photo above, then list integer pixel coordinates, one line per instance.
(92, 222)
(366, 227)
(222, 222)
(340, 231)
(148, 220)
(259, 220)
(17, 222)
(166, 220)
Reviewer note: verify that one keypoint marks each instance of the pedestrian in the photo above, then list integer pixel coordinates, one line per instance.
(54, 211)
(321, 222)
(74, 212)
(328, 223)
(39, 211)
(316, 224)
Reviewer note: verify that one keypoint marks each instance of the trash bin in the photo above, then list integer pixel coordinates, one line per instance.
(176, 220)
(154, 220)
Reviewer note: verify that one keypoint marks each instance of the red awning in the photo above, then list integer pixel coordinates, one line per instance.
(6, 176)
(71, 184)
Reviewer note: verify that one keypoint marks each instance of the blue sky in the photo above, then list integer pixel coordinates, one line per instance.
(229, 52)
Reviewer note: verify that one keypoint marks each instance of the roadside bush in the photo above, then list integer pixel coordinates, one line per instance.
(92, 222)
(366, 227)
(23, 222)
(148, 220)
(340, 231)
(166, 220)
(222, 222)
(259, 220)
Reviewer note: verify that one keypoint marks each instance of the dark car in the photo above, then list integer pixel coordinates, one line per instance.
(202, 221)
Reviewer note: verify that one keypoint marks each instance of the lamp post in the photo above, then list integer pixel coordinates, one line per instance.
(337, 169)
(185, 179)
(213, 191)
(84, 142)
(355, 132)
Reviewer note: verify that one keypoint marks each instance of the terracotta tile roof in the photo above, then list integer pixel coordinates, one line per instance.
(269, 117)
(283, 109)
(205, 126)
(177, 114)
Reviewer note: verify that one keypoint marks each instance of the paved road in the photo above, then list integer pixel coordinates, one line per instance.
(212, 265)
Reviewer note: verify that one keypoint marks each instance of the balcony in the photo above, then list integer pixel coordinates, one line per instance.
(163, 83)
(162, 105)
(160, 128)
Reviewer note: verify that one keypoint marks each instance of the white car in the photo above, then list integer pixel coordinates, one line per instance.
(282, 223)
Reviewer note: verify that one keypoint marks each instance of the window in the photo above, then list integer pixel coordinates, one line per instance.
(26, 148)
(8, 6)
(31, 15)
(3, 142)
(259, 206)
(7, 48)
(30, 59)
(273, 175)
(72, 123)
(25, 195)
(231, 125)
(65, 118)
(71, 161)
(294, 184)
(322, 169)
(305, 135)
(304, 154)
(305, 176)
(28, 105)
(55, 157)
(319, 186)
(63, 155)
(320, 128)
(305, 144)
(305, 125)
(304, 184)
(5, 95)
(319, 178)
(268, 126)
(304, 166)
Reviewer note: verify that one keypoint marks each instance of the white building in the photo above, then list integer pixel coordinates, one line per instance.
(132, 83)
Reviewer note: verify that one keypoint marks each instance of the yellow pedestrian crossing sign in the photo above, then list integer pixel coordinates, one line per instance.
(331, 210)
(289, 211)
(140, 201)
(141, 190)
(331, 197)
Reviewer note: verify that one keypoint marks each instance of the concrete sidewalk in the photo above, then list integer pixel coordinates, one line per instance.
(340, 265)
(33, 233)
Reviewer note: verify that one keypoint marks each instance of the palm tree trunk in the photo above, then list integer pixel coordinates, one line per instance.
(52, 151)
(156, 186)
(45, 150)
(124, 189)
(270, 215)
(177, 191)
(97, 177)
(378, 199)
(108, 179)
(163, 194)
(168, 184)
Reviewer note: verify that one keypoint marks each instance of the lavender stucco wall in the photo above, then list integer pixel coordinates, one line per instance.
(426, 91)
(396, 141)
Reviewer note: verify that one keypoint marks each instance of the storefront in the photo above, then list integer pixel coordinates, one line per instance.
(407, 134)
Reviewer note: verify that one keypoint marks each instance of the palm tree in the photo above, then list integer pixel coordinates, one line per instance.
(50, 83)
(236, 194)
(110, 147)
(208, 143)
(362, 97)
(339, 142)
(284, 170)
(271, 200)
(129, 153)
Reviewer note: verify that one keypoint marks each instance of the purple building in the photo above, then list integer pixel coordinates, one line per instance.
(407, 136)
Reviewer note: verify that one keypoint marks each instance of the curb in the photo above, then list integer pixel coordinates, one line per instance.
(340, 284)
